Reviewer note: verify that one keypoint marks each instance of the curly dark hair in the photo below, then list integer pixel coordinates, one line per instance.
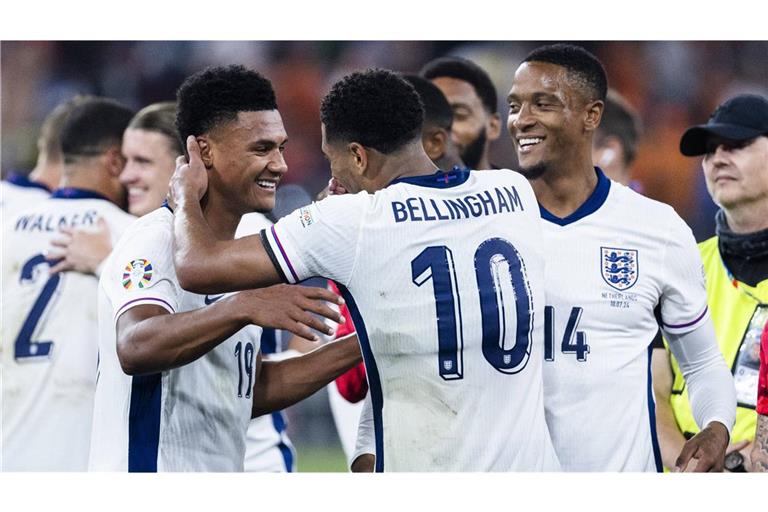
(437, 110)
(466, 71)
(217, 94)
(586, 70)
(375, 108)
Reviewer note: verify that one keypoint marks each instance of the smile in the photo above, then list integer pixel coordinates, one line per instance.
(527, 143)
(266, 184)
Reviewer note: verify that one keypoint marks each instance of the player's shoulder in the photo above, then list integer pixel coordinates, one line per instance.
(252, 224)
(154, 229)
(654, 214)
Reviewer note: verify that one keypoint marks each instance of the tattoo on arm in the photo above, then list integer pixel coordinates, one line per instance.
(760, 449)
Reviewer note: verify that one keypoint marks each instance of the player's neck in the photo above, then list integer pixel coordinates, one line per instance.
(409, 162)
(747, 219)
(91, 178)
(47, 173)
(448, 161)
(222, 220)
(562, 191)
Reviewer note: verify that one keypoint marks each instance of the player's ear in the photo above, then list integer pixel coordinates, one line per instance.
(593, 114)
(434, 143)
(493, 130)
(206, 152)
(360, 156)
(115, 161)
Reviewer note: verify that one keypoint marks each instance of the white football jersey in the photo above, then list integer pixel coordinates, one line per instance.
(267, 447)
(444, 279)
(610, 264)
(191, 418)
(49, 336)
(19, 193)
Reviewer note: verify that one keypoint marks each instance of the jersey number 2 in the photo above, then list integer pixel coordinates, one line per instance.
(24, 348)
(436, 263)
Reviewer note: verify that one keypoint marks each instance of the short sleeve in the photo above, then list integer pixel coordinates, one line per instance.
(684, 295)
(140, 271)
(320, 239)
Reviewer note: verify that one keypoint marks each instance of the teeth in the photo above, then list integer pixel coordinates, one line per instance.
(529, 141)
(267, 184)
(134, 191)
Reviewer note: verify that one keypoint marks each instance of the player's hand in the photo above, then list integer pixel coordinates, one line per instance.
(335, 188)
(705, 451)
(80, 250)
(291, 308)
(365, 463)
(190, 179)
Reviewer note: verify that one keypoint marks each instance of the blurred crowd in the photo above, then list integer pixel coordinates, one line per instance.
(672, 84)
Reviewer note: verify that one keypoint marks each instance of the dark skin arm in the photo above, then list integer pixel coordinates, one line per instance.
(205, 264)
(280, 384)
(151, 340)
(365, 463)
(671, 440)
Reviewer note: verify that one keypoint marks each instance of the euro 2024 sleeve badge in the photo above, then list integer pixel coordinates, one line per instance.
(137, 274)
(619, 267)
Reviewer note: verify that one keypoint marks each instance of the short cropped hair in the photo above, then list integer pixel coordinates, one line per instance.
(437, 110)
(94, 126)
(620, 120)
(159, 118)
(466, 71)
(50, 131)
(375, 108)
(217, 94)
(581, 64)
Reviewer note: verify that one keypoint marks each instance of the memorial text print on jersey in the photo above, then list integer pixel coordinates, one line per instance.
(498, 266)
(32, 272)
(619, 267)
(137, 274)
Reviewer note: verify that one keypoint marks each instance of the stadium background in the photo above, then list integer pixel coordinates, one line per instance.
(673, 84)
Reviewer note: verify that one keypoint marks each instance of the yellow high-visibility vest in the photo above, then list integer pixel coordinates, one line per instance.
(738, 320)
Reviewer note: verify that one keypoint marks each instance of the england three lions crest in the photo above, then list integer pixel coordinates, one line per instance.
(619, 267)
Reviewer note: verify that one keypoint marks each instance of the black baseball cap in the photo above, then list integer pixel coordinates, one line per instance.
(742, 117)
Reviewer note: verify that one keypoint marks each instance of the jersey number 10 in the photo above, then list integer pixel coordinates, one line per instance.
(436, 263)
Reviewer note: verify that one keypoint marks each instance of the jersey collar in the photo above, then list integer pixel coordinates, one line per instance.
(23, 181)
(440, 179)
(76, 193)
(590, 206)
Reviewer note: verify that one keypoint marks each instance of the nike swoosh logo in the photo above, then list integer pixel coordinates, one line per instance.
(210, 300)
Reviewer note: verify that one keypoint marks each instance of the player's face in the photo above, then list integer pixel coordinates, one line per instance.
(737, 172)
(342, 164)
(546, 117)
(149, 164)
(470, 119)
(248, 163)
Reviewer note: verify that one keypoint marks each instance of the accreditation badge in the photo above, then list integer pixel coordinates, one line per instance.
(747, 369)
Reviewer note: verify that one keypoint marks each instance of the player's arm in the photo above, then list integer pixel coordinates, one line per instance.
(712, 395)
(150, 339)
(671, 440)
(280, 384)
(363, 459)
(686, 325)
(204, 263)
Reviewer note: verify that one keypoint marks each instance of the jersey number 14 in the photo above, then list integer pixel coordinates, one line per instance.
(436, 263)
